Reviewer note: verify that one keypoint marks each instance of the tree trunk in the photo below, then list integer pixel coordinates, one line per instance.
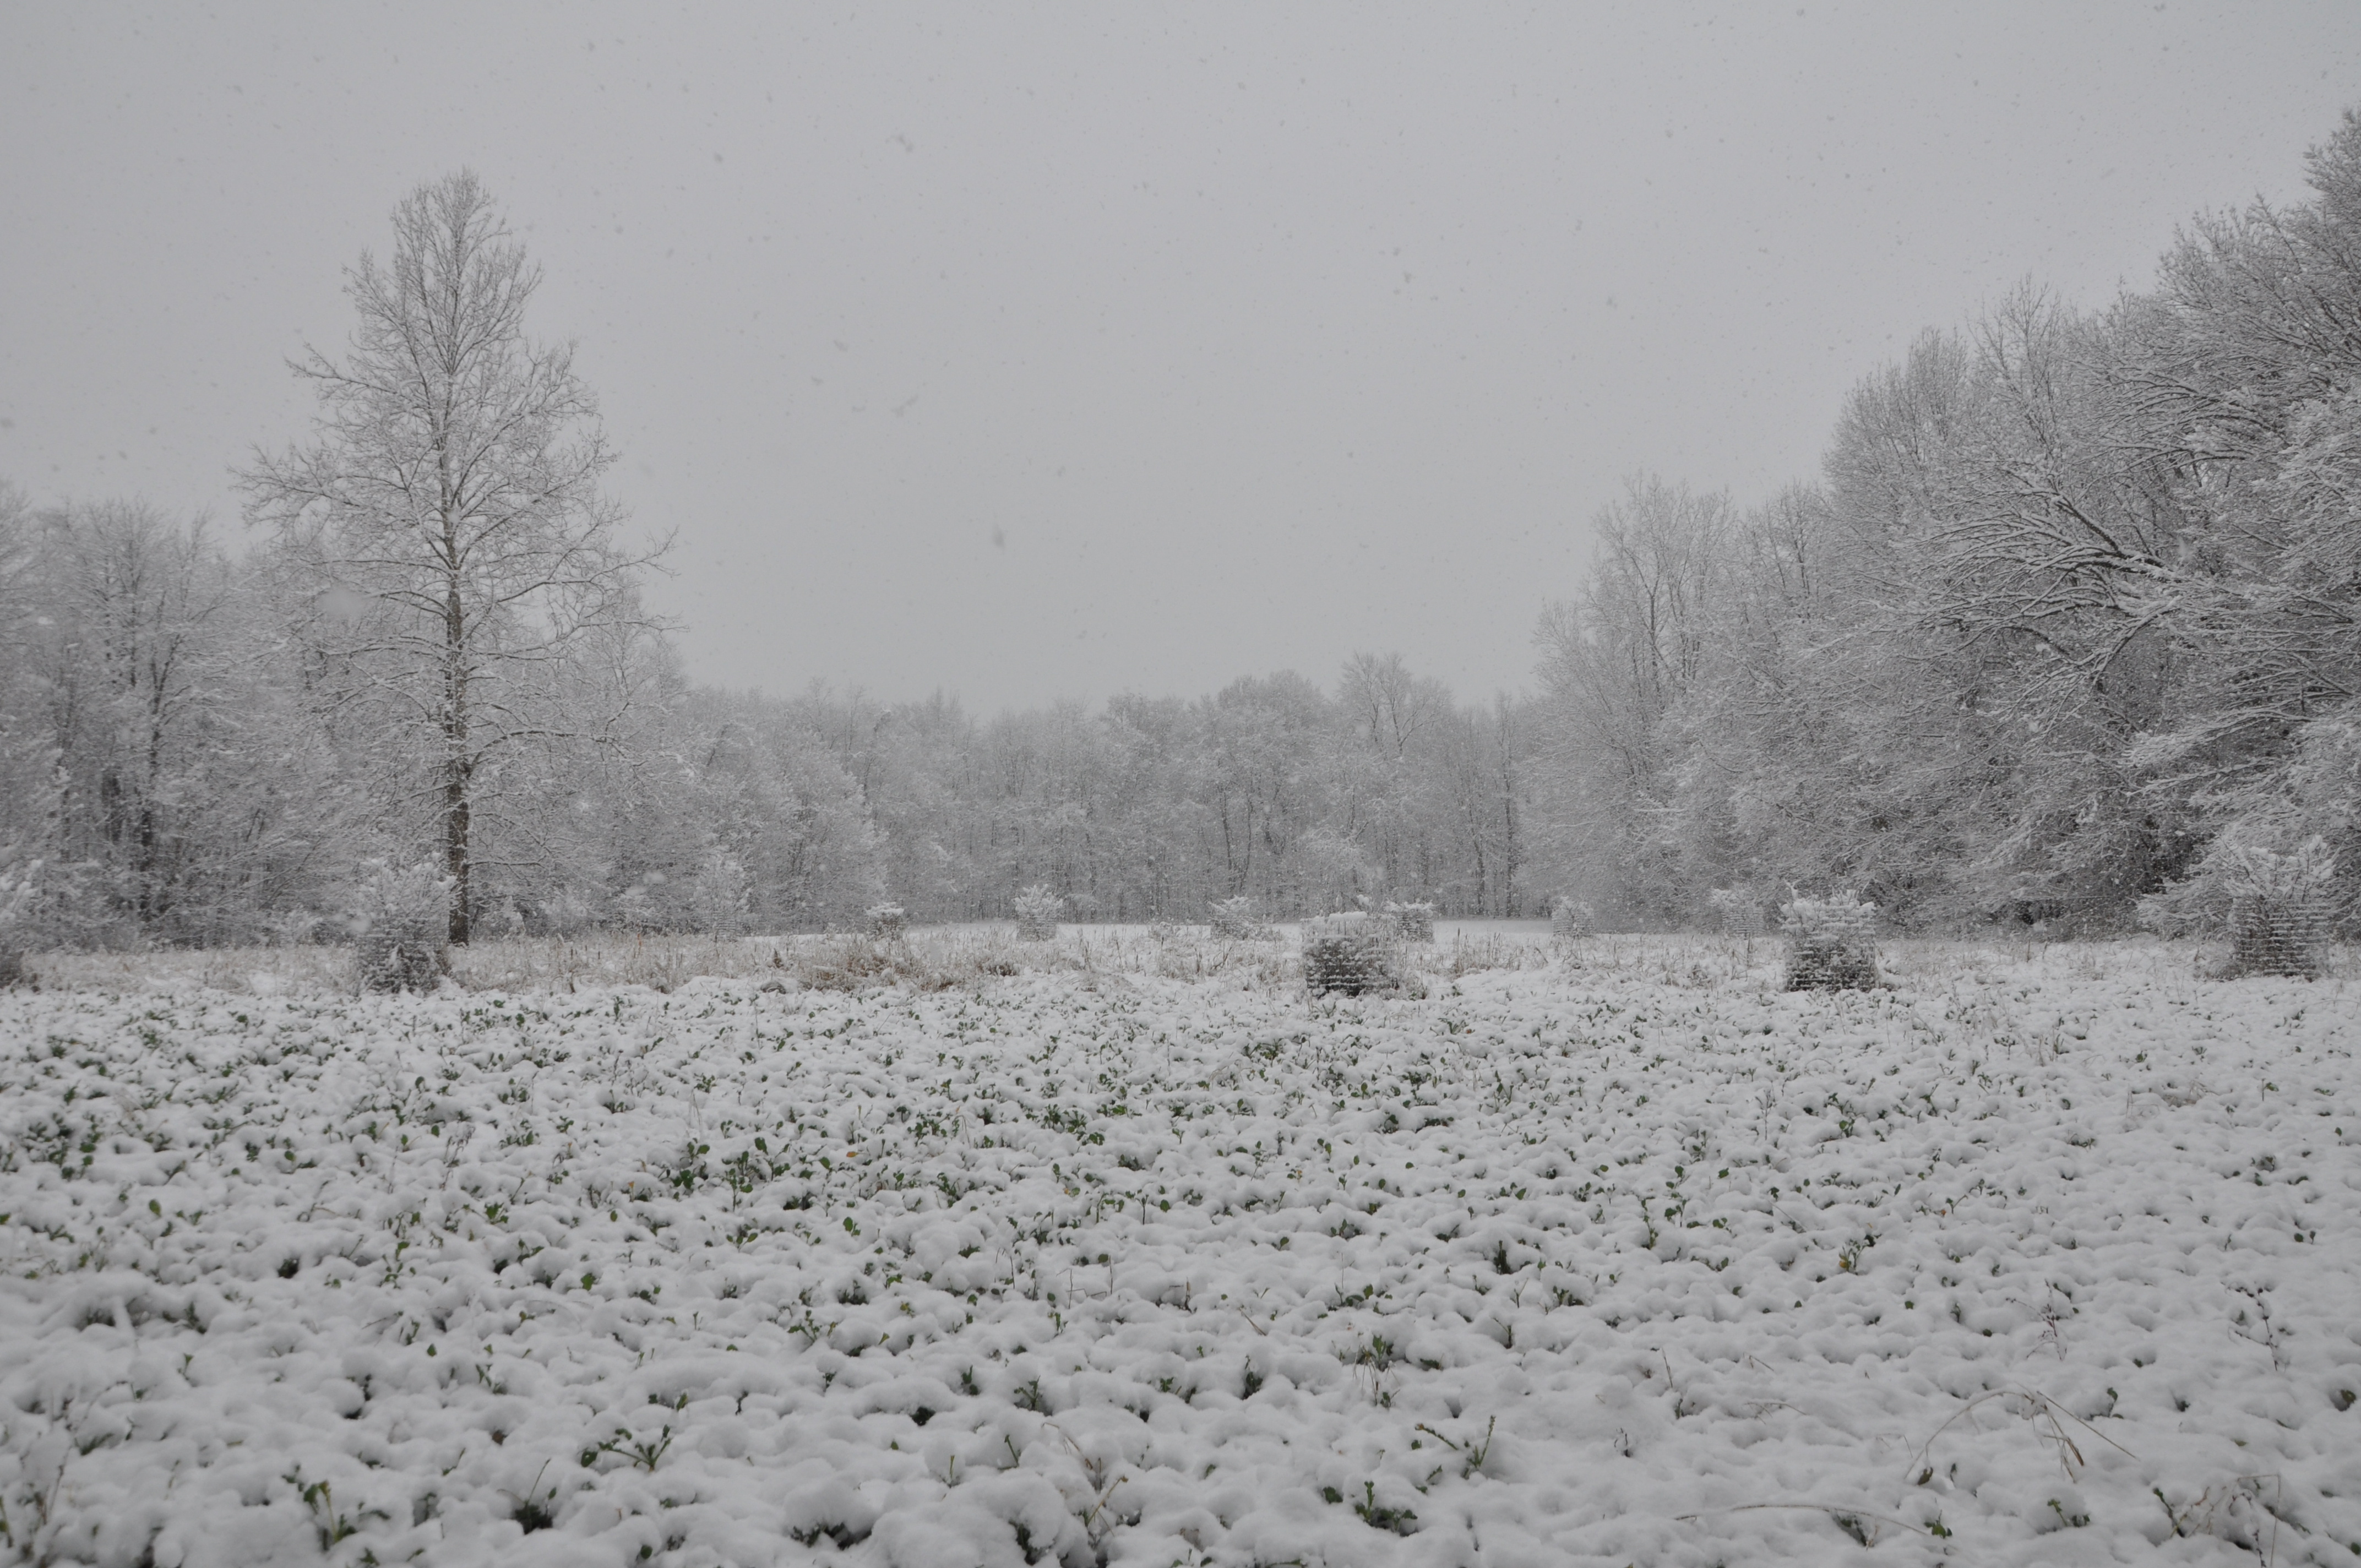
(1509, 859)
(455, 845)
(455, 768)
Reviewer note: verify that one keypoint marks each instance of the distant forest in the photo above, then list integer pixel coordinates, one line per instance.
(2064, 637)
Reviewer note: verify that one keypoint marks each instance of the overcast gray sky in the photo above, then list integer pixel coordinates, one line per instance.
(1042, 352)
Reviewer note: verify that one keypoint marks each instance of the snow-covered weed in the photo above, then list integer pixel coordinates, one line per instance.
(1831, 943)
(2281, 912)
(400, 921)
(1470, 951)
(1737, 911)
(1037, 911)
(18, 889)
(1351, 953)
(1238, 920)
(1412, 922)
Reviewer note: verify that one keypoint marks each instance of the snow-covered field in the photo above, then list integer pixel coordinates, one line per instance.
(2043, 1257)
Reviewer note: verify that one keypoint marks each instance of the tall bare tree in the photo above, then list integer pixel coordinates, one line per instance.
(448, 518)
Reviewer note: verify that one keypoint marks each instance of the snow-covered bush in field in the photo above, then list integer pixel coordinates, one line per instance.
(719, 893)
(888, 922)
(1235, 920)
(1831, 943)
(400, 920)
(1037, 909)
(561, 913)
(51, 905)
(2279, 908)
(16, 921)
(1351, 953)
(1411, 922)
(641, 906)
(2325, 783)
(1737, 911)
(1569, 919)
(296, 929)
(2281, 912)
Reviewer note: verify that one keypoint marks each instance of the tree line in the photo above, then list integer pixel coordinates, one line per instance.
(206, 749)
(2063, 635)
(435, 662)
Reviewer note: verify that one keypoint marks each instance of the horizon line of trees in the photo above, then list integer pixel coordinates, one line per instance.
(188, 757)
(2066, 635)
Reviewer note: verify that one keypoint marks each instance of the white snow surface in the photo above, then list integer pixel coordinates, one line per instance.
(2011, 1262)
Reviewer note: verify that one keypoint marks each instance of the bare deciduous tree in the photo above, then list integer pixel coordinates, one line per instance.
(448, 517)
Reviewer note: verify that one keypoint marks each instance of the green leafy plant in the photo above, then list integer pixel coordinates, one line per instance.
(645, 1452)
(1377, 1516)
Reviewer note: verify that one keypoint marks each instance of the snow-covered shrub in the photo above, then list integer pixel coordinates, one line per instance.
(719, 893)
(1351, 953)
(1411, 922)
(1569, 920)
(562, 913)
(2325, 783)
(402, 921)
(641, 906)
(888, 922)
(855, 963)
(1235, 920)
(2279, 908)
(16, 922)
(2281, 912)
(295, 928)
(1037, 909)
(1737, 911)
(52, 906)
(1329, 867)
(1831, 943)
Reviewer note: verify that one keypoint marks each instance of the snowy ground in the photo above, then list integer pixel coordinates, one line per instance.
(2038, 1257)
